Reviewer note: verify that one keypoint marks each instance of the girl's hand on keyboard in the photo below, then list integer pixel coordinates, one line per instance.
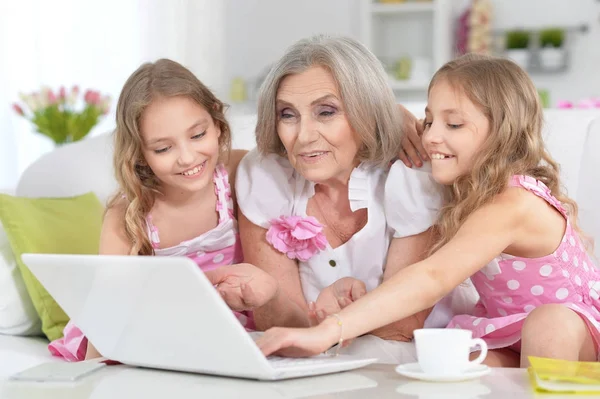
(243, 286)
(299, 342)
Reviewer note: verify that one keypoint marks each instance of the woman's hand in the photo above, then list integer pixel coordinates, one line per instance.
(243, 286)
(300, 342)
(334, 298)
(412, 151)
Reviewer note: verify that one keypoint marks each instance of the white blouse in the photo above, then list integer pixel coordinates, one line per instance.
(268, 187)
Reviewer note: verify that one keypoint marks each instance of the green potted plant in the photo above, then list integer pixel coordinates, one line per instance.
(63, 116)
(517, 47)
(552, 51)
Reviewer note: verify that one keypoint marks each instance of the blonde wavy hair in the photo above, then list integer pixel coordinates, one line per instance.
(514, 146)
(138, 186)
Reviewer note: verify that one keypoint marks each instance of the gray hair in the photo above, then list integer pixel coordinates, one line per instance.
(368, 99)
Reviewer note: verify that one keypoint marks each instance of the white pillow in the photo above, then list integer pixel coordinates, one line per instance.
(17, 314)
(70, 170)
(565, 133)
(588, 193)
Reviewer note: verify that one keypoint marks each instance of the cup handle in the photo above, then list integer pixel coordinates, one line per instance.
(484, 350)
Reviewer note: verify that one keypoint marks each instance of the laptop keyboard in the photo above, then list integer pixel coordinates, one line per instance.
(281, 362)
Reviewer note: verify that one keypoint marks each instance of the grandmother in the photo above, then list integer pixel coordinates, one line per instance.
(311, 196)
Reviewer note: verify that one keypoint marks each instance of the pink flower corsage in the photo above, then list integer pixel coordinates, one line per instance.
(297, 237)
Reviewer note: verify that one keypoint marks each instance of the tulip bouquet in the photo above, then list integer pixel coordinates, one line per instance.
(63, 116)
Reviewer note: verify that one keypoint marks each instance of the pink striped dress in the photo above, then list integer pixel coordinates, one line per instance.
(213, 249)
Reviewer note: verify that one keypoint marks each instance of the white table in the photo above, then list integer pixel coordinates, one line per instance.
(375, 382)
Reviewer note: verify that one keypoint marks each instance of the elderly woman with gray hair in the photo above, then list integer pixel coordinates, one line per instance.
(312, 195)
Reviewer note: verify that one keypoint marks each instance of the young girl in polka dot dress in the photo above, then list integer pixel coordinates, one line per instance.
(506, 224)
(175, 168)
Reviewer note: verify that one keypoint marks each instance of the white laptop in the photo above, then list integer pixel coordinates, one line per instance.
(162, 312)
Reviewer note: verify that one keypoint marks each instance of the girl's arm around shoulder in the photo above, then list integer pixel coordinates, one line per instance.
(113, 240)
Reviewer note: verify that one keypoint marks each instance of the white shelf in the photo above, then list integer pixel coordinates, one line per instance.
(419, 30)
(402, 8)
(408, 85)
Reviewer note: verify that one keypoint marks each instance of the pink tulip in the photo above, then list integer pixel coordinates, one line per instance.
(44, 97)
(96, 98)
(91, 97)
(105, 105)
(62, 93)
(51, 97)
(18, 109)
(37, 101)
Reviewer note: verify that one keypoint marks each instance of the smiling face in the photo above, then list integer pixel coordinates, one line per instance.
(180, 143)
(313, 127)
(455, 130)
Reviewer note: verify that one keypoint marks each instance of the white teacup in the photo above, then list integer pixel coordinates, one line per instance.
(444, 351)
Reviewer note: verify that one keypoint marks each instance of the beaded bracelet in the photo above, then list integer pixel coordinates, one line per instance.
(341, 340)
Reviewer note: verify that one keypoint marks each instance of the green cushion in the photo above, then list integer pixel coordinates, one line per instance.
(50, 225)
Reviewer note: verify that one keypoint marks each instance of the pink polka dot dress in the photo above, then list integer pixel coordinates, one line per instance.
(216, 248)
(510, 287)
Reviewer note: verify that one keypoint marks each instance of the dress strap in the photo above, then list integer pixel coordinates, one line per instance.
(538, 188)
(223, 192)
(152, 232)
(224, 205)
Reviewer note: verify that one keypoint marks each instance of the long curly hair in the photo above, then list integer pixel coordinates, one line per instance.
(514, 146)
(138, 186)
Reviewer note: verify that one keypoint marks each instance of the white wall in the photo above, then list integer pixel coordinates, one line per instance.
(59, 43)
(583, 78)
(257, 32)
(205, 43)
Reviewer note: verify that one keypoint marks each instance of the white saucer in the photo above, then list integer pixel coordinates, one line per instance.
(413, 370)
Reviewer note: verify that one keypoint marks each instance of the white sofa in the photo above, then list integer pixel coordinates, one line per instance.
(573, 137)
